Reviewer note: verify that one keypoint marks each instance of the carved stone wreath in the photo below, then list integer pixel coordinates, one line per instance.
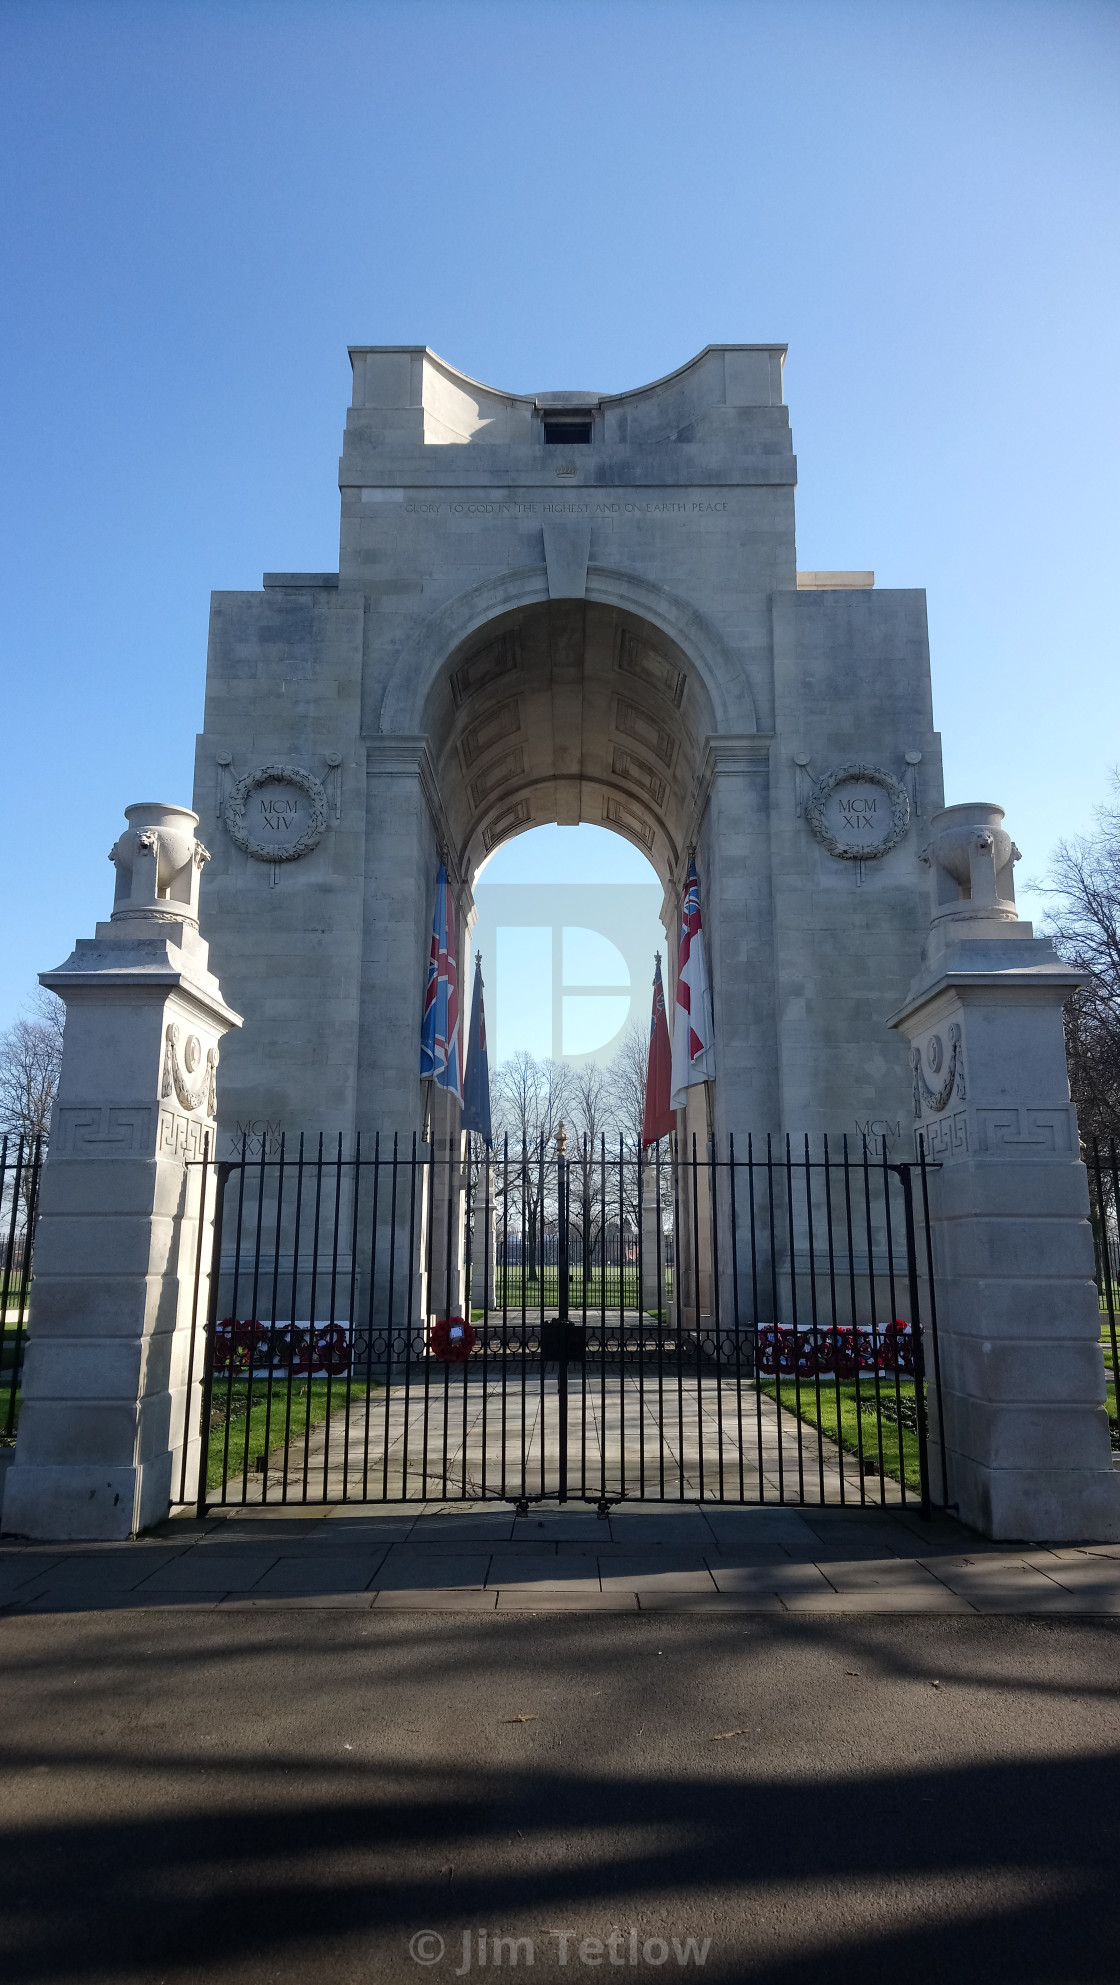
(287, 775)
(925, 1098)
(855, 851)
(175, 1078)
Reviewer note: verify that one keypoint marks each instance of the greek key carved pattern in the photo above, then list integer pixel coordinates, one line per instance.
(945, 1139)
(179, 1137)
(102, 1130)
(1024, 1133)
(925, 1098)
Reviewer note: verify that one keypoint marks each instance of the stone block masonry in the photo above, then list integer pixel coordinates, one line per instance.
(566, 607)
(109, 1422)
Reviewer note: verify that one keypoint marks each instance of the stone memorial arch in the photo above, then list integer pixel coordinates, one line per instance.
(567, 607)
(563, 607)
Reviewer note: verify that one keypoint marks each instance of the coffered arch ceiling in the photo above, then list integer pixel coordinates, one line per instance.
(568, 711)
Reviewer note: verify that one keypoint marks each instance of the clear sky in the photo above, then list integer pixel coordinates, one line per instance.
(204, 203)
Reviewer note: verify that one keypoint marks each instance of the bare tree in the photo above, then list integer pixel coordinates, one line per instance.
(529, 1098)
(1084, 886)
(627, 1076)
(628, 1072)
(590, 1122)
(30, 1062)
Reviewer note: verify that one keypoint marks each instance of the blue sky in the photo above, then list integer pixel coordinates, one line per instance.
(204, 203)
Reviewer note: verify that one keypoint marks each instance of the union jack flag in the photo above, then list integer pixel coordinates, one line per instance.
(440, 1058)
(694, 1057)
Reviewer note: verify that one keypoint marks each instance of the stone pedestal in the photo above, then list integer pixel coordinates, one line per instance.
(109, 1404)
(1025, 1434)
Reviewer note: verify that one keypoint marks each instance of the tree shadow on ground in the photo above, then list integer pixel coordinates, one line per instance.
(183, 1802)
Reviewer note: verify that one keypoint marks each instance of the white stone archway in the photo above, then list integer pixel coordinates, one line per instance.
(609, 629)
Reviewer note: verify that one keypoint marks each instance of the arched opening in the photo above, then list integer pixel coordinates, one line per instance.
(569, 711)
(567, 922)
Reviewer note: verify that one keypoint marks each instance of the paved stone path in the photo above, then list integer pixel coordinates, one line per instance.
(626, 1436)
(467, 1558)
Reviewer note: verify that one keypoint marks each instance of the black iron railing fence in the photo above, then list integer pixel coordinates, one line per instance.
(753, 1324)
(398, 1323)
(1104, 1203)
(21, 1165)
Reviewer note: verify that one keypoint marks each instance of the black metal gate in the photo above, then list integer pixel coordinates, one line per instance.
(21, 1170)
(595, 1324)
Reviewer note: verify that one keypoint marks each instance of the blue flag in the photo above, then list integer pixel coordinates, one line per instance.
(476, 1087)
(439, 1029)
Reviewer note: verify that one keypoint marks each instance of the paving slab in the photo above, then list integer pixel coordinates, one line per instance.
(80, 1599)
(114, 1569)
(544, 1573)
(1088, 1597)
(346, 1601)
(878, 1574)
(657, 1600)
(27, 1596)
(763, 1527)
(266, 1528)
(647, 1575)
(744, 1579)
(812, 1560)
(332, 1574)
(1084, 1578)
(1009, 1590)
(680, 1585)
(514, 1599)
(566, 1527)
(20, 1572)
(213, 1571)
(660, 1527)
(463, 1529)
(414, 1572)
(880, 1599)
(422, 1599)
(732, 1552)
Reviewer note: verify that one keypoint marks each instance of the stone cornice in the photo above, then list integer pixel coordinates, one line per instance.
(155, 979)
(674, 466)
(1046, 981)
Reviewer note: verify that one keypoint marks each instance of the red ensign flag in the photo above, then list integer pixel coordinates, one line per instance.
(659, 1120)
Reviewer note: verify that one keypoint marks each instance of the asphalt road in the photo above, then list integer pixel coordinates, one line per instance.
(303, 1795)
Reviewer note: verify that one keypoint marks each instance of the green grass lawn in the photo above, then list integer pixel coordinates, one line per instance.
(857, 1420)
(610, 1288)
(249, 1428)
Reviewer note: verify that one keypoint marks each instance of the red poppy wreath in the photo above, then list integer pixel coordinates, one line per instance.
(452, 1339)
